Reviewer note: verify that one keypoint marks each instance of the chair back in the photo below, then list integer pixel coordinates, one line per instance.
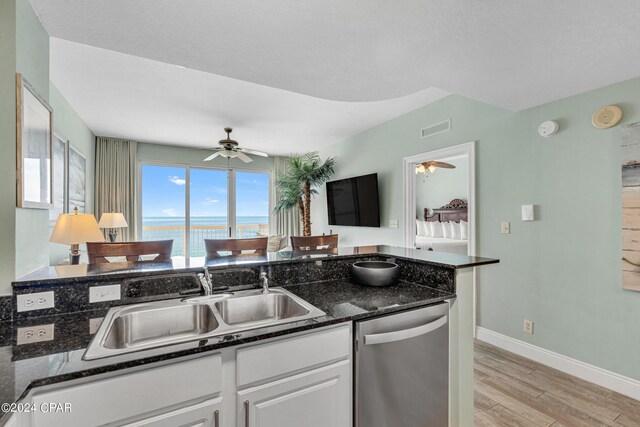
(235, 246)
(301, 243)
(99, 251)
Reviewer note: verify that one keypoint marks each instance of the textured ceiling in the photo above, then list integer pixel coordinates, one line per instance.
(126, 96)
(513, 54)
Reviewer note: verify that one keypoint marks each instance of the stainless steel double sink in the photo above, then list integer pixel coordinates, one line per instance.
(144, 326)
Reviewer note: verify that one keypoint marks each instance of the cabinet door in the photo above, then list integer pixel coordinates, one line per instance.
(316, 398)
(205, 414)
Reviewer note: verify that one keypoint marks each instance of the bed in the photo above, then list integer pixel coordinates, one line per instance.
(454, 211)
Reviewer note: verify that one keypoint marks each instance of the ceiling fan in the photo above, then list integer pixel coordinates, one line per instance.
(229, 149)
(432, 165)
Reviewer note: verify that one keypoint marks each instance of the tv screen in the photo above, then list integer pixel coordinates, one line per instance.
(354, 201)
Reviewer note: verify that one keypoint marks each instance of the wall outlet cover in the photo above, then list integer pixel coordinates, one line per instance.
(104, 293)
(393, 223)
(505, 227)
(528, 326)
(35, 301)
(33, 334)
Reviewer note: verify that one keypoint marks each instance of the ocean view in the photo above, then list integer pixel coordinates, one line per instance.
(203, 227)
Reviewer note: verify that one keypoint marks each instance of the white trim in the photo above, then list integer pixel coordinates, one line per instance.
(593, 374)
(467, 150)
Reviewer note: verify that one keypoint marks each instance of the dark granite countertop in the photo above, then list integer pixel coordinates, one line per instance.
(67, 273)
(30, 365)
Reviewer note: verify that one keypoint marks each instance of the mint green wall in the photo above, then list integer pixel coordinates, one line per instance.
(7, 142)
(439, 188)
(562, 271)
(32, 60)
(70, 126)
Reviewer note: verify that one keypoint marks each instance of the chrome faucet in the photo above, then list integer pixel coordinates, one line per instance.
(206, 281)
(265, 282)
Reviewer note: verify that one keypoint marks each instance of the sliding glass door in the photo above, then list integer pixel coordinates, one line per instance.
(163, 209)
(252, 204)
(209, 203)
(208, 208)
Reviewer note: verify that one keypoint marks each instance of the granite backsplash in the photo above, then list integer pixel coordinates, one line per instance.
(73, 295)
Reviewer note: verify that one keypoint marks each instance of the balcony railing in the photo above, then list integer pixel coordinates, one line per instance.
(198, 234)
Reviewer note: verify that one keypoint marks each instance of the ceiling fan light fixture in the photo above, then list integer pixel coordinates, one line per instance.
(431, 168)
(229, 154)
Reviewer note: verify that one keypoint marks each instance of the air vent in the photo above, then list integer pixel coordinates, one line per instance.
(435, 129)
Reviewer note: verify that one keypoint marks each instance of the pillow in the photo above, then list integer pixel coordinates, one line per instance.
(455, 230)
(427, 228)
(436, 229)
(464, 230)
(447, 230)
(420, 228)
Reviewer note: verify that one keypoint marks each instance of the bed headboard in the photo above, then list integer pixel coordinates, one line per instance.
(456, 211)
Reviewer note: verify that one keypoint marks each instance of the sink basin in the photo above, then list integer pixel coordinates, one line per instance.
(145, 326)
(160, 325)
(271, 307)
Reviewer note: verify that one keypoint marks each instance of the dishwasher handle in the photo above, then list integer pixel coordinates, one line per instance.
(405, 333)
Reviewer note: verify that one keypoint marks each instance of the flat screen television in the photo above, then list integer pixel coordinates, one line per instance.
(354, 201)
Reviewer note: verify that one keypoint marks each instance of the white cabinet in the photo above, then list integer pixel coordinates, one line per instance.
(205, 414)
(317, 398)
(297, 380)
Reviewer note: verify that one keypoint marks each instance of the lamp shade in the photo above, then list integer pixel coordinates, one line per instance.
(74, 229)
(112, 220)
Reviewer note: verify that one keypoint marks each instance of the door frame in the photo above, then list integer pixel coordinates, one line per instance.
(467, 149)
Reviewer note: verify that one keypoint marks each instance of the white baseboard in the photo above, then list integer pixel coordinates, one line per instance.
(593, 374)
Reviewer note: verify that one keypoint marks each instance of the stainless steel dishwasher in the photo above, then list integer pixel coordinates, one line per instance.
(402, 369)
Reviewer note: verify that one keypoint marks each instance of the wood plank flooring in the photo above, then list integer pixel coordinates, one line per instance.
(512, 391)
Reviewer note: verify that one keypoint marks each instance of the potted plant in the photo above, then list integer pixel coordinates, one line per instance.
(296, 186)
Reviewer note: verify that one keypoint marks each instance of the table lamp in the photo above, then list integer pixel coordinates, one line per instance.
(74, 229)
(112, 221)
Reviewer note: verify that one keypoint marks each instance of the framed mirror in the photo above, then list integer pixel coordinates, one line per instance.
(34, 148)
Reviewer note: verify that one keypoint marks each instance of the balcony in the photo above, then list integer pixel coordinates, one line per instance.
(197, 235)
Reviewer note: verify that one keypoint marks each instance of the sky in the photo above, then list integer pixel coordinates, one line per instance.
(163, 192)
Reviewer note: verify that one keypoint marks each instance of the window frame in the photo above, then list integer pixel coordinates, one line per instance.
(231, 194)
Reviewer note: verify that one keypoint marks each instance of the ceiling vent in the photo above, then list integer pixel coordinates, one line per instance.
(435, 129)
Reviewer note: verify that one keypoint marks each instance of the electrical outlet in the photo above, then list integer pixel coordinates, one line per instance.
(505, 227)
(31, 334)
(35, 301)
(393, 223)
(528, 326)
(94, 324)
(104, 293)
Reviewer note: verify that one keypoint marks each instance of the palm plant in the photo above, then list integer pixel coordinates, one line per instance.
(297, 185)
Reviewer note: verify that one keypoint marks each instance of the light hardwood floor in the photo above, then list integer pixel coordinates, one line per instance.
(513, 391)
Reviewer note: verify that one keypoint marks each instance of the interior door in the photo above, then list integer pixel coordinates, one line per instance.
(317, 398)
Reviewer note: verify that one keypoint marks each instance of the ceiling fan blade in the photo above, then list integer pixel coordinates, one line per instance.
(244, 157)
(254, 152)
(443, 165)
(211, 157)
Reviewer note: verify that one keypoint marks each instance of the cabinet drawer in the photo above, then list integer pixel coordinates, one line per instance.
(131, 393)
(289, 355)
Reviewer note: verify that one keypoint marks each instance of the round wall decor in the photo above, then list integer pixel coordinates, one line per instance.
(607, 117)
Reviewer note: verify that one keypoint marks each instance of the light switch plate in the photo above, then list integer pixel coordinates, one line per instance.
(32, 334)
(393, 223)
(505, 227)
(104, 293)
(35, 301)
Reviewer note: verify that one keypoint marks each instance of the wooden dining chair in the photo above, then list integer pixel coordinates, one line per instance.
(301, 243)
(235, 246)
(99, 251)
